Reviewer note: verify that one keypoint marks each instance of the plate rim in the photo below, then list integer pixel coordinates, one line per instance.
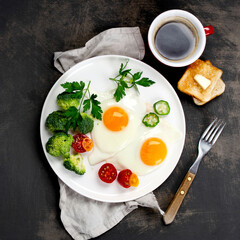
(86, 193)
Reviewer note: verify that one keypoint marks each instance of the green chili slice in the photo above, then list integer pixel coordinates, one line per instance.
(161, 107)
(150, 120)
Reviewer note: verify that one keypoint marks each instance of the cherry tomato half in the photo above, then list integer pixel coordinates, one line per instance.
(82, 143)
(133, 180)
(107, 173)
(127, 179)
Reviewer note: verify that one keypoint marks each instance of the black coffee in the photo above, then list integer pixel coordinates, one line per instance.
(175, 40)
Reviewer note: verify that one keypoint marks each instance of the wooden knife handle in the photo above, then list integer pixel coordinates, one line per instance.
(172, 210)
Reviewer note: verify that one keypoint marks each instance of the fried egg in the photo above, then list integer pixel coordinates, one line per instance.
(148, 149)
(120, 122)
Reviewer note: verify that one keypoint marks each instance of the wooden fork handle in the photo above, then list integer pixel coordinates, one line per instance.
(172, 210)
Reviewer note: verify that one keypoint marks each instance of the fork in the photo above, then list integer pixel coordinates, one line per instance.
(206, 142)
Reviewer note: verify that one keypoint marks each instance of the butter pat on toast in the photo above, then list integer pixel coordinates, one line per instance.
(187, 84)
(217, 91)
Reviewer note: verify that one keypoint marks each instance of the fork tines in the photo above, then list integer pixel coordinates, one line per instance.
(213, 131)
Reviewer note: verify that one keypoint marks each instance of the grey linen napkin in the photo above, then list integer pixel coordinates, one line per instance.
(82, 217)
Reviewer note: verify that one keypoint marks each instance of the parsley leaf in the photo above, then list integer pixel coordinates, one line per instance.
(145, 82)
(126, 79)
(96, 109)
(137, 75)
(119, 93)
(73, 86)
(74, 118)
(86, 105)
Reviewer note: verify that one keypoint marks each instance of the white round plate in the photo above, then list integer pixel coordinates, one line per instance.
(98, 70)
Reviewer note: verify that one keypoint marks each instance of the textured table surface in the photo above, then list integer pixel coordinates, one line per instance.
(30, 31)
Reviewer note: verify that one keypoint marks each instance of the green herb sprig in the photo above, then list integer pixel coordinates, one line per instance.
(87, 101)
(126, 79)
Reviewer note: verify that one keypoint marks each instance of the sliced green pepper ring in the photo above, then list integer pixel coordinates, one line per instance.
(161, 107)
(151, 119)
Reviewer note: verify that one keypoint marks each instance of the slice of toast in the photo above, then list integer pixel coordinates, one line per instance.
(188, 85)
(218, 90)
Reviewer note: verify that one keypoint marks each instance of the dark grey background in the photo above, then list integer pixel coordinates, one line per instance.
(30, 31)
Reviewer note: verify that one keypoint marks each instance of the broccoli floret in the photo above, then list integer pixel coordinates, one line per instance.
(86, 124)
(59, 144)
(66, 100)
(75, 163)
(56, 121)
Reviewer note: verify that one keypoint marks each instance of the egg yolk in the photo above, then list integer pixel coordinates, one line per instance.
(115, 119)
(153, 151)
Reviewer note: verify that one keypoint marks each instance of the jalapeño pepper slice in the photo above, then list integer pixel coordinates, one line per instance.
(161, 107)
(150, 120)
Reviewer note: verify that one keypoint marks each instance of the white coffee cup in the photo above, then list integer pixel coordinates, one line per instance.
(187, 19)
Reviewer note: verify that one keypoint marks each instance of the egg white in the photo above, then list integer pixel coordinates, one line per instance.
(130, 158)
(106, 142)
